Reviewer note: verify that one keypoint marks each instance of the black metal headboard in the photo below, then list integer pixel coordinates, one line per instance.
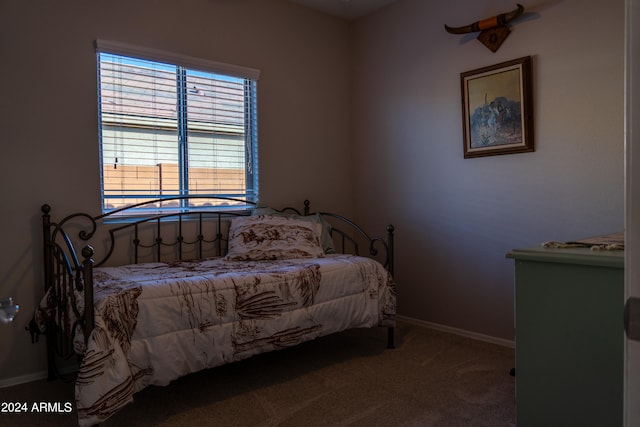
(147, 225)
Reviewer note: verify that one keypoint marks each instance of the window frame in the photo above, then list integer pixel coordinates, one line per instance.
(189, 64)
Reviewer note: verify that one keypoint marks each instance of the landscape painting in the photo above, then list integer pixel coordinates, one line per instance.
(497, 109)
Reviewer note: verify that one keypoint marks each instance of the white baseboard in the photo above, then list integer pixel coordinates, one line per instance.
(462, 332)
(36, 376)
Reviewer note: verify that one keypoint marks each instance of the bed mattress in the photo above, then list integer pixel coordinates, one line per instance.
(157, 322)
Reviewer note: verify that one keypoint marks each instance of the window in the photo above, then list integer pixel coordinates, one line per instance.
(171, 125)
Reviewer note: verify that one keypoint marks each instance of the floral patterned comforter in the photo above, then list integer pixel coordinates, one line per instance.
(159, 321)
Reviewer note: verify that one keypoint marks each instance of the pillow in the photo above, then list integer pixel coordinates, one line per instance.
(325, 236)
(270, 237)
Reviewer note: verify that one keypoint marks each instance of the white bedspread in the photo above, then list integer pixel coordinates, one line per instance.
(157, 322)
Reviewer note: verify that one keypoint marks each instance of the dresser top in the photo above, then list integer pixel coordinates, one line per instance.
(582, 256)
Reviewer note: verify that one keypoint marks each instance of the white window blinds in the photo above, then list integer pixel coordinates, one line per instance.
(168, 129)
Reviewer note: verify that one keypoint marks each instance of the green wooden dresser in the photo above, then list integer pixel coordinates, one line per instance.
(569, 337)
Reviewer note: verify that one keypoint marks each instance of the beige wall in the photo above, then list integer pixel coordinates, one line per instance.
(49, 114)
(354, 117)
(455, 218)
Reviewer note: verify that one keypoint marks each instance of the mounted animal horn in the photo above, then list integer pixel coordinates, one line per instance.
(485, 24)
(493, 31)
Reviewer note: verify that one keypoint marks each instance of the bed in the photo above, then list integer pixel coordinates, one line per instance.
(151, 292)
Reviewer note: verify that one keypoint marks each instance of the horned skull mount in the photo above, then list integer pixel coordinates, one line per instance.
(493, 31)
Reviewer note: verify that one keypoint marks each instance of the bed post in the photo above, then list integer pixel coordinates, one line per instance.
(390, 230)
(87, 288)
(46, 222)
(48, 254)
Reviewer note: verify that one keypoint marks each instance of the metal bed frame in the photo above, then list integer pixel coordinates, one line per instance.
(196, 233)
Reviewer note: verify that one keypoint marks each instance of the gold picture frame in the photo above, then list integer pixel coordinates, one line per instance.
(497, 109)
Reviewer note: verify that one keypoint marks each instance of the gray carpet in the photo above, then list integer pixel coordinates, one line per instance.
(347, 379)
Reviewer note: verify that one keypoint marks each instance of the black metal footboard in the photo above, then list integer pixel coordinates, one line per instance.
(64, 282)
(157, 235)
(348, 236)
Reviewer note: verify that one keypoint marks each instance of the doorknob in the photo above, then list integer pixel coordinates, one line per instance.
(632, 318)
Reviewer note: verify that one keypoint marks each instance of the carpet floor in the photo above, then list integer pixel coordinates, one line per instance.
(431, 378)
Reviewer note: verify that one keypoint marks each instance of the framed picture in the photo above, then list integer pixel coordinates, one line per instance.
(497, 109)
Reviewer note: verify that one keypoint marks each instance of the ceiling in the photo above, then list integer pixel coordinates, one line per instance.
(347, 9)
